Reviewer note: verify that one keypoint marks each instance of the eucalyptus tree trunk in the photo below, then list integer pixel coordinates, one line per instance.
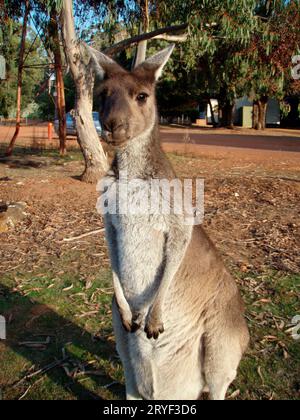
(81, 68)
(260, 113)
(263, 105)
(255, 116)
(213, 119)
(227, 115)
(293, 116)
(60, 86)
(61, 105)
(20, 79)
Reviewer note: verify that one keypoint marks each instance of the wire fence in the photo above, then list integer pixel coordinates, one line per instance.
(33, 135)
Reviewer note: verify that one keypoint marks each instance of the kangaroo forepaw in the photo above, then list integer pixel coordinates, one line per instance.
(136, 322)
(132, 323)
(154, 329)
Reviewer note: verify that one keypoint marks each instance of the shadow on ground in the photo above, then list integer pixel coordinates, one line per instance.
(56, 356)
(24, 163)
(36, 158)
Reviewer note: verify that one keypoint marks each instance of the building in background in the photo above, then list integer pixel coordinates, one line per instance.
(243, 112)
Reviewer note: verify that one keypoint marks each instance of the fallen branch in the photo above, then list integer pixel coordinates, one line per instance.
(41, 371)
(36, 344)
(25, 393)
(85, 314)
(76, 238)
(30, 387)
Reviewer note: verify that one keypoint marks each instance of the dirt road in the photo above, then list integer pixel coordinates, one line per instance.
(273, 148)
(272, 145)
(276, 140)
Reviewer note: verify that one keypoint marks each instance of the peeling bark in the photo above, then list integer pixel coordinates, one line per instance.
(260, 113)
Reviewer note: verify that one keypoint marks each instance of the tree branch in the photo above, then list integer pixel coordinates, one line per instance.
(126, 43)
(71, 45)
(172, 38)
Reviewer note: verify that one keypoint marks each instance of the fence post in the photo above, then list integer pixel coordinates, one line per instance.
(50, 131)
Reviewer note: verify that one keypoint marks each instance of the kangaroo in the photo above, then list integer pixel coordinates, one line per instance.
(177, 313)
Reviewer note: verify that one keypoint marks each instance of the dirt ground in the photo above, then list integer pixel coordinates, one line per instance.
(251, 212)
(252, 203)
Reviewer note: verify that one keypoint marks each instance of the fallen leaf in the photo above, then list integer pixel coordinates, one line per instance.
(234, 395)
(66, 289)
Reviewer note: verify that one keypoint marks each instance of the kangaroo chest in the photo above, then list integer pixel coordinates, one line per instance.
(140, 237)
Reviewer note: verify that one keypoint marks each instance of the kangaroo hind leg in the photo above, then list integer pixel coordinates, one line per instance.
(222, 358)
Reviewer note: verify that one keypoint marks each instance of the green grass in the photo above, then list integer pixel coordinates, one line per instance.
(78, 322)
(272, 366)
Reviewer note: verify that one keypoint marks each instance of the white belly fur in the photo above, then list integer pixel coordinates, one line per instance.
(161, 367)
(171, 359)
(140, 261)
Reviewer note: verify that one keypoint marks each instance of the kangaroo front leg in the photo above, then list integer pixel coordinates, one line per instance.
(177, 241)
(131, 322)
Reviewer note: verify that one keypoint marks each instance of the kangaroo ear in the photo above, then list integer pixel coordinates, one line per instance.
(158, 61)
(104, 65)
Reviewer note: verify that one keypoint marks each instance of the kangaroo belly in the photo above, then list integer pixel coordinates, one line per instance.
(161, 367)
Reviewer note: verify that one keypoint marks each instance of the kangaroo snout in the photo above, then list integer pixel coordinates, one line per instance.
(114, 132)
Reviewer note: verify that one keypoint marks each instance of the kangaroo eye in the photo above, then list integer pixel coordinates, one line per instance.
(142, 97)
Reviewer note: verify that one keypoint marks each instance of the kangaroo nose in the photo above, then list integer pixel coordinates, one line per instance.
(112, 125)
(108, 127)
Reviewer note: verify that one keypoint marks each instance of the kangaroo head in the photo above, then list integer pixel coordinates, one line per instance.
(128, 103)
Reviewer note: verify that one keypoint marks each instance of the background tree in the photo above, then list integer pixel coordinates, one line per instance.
(218, 34)
(82, 70)
(274, 42)
(55, 47)
(20, 78)
(28, 65)
(287, 24)
(231, 49)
